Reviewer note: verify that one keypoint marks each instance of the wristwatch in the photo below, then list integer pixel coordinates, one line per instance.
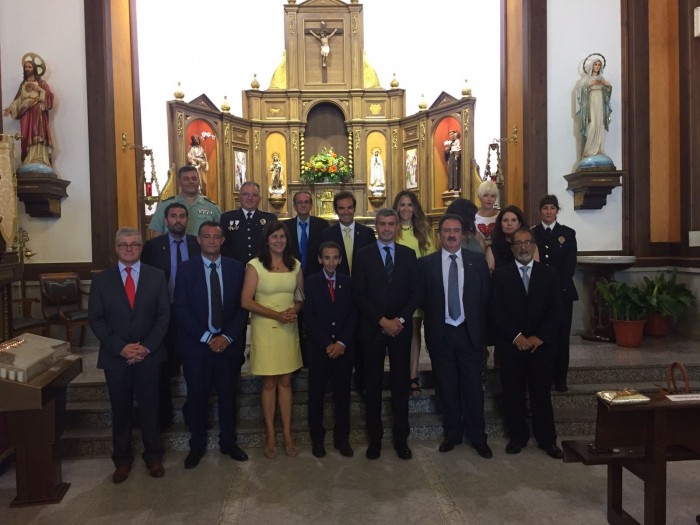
(402, 320)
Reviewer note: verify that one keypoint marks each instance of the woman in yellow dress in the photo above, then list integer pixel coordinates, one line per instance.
(415, 233)
(271, 292)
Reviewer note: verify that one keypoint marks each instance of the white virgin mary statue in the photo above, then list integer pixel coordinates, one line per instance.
(376, 180)
(593, 113)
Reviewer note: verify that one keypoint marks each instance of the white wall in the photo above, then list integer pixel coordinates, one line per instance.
(575, 30)
(216, 47)
(56, 32)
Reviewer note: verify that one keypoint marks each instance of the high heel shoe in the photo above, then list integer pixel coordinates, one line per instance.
(290, 449)
(270, 452)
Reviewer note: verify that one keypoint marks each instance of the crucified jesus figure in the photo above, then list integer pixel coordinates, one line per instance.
(325, 44)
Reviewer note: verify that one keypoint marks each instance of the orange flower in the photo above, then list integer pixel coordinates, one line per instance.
(332, 169)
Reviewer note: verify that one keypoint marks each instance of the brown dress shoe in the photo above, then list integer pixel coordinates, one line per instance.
(121, 473)
(156, 469)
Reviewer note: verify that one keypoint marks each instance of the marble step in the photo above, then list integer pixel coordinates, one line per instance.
(90, 442)
(618, 375)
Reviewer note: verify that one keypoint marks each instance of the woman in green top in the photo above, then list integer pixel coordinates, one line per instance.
(416, 234)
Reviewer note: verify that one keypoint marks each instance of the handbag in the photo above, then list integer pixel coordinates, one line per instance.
(671, 386)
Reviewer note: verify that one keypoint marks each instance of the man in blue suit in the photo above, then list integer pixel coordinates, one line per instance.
(211, 340)
(128, 311)
(330, 318)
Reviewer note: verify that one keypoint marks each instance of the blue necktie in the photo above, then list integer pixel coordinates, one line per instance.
(526, 277)
(453, 308)
(303, 244)
(388, 263)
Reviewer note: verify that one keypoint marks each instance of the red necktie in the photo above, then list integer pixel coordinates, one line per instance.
(331, 289)
(130, 287)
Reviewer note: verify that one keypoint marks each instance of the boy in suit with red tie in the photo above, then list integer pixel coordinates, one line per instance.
(330, 319)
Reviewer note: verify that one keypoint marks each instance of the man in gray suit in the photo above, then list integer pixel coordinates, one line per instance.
(455, 296)
(129, 311)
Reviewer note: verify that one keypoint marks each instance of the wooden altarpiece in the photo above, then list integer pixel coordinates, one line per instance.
(319, 100)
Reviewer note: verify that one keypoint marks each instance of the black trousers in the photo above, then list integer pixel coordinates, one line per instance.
(139, 380)
(339, 371)
(374, 353)
(531, 372)
(457, 368)
(205, 370)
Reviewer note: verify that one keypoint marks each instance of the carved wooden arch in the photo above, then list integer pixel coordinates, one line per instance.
(308, 107)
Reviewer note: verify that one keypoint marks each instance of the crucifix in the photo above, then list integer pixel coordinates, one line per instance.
(324, 37)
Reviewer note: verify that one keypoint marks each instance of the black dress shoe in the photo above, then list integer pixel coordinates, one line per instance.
(553, 451)
(484, 450)
(235, 452)
(561, 388)
(192, 459)
(318, 450)
(344, 448)
(447, 445)
(513, 447)
(374, 450)
(403, 451)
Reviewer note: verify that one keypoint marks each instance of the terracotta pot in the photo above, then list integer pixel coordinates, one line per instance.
(629, 333)
(657, 325)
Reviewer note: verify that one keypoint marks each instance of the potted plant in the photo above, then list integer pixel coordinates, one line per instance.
(627, 308)
(666, 300)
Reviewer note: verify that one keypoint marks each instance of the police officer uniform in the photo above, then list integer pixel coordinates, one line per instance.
(557, 247)
(201, 210)
(242, 234)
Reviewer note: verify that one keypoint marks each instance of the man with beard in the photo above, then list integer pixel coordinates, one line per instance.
(524, 309)
(167, 253)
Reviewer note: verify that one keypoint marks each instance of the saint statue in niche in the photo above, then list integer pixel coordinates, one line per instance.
(593, 112)
(453, 156)
(31, 107)
(197, 157)
(376, 171)
(276, 168)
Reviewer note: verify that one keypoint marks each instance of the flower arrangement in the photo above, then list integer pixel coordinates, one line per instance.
(326, 166)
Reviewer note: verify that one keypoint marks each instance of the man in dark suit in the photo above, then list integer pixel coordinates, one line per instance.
(243, 227)
(348, 234)
(330, 317)
(524, 309)
(386, 286)
(557, 246)
(305, 233)
(211, 340)
(167, 253)
(454, 298)
(128, 311)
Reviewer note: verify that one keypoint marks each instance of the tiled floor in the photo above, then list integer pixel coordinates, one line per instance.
(454, 488)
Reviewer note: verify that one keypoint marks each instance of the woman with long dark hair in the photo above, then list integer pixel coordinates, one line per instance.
(272, 293)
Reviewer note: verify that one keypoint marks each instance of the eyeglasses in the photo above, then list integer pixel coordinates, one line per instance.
(527, 244)
(132, 246)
